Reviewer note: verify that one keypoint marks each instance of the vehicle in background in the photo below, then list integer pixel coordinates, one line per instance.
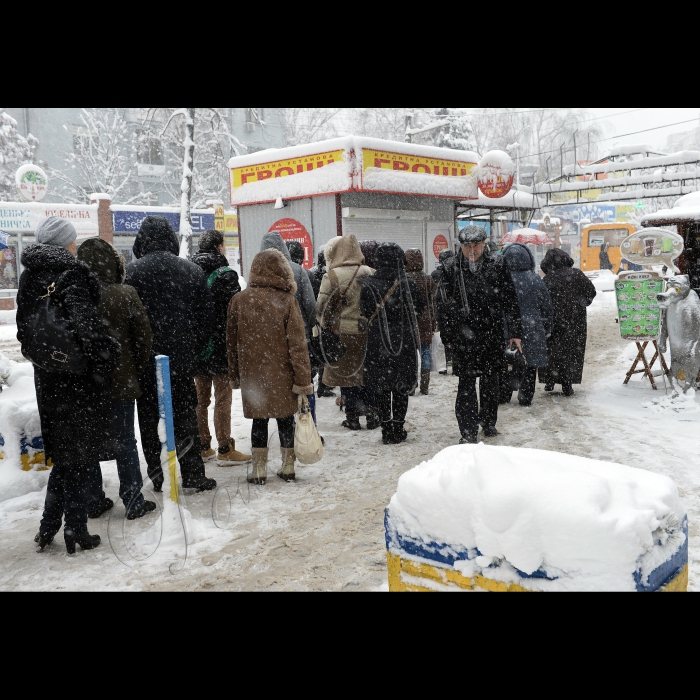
(594, 236)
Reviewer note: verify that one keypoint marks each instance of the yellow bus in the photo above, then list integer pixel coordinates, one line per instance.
(593, 238)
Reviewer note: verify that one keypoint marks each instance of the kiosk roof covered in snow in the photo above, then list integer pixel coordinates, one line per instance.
(352, 164)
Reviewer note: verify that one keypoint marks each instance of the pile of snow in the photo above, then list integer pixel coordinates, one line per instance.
(19, 416)
(573, 523)
(603, 280)
(674, 403)
(8, 317)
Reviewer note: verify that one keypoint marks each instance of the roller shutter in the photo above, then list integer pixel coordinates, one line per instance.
(408, 234)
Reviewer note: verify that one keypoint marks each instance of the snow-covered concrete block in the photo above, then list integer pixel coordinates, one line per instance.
(512, 519)
(20, 427)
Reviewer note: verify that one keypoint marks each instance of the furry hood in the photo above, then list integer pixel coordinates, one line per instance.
(40, 257)
(103, 260)
(271, 269)
(414, 260)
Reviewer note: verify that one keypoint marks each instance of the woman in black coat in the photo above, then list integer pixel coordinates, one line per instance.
(571, 292)
(535, 318)
(74, 409)
(391, 361)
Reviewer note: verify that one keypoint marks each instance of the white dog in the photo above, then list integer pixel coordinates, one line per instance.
(680, 325)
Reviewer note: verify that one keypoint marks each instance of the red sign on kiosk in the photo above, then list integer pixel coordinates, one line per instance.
(293, 230)
(439, 244)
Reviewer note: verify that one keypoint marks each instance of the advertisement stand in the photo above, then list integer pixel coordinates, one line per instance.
(641, 357)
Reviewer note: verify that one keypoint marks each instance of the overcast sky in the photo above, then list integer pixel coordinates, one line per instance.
(646, 118)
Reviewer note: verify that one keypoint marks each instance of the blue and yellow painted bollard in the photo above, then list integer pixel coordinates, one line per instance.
(417, 566)
(31, 453)
(166, 428)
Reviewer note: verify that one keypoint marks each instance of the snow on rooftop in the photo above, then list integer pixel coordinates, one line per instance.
(352, 163)
(585, 523)
(686, 208)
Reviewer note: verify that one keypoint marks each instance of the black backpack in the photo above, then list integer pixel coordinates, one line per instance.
(52, 344)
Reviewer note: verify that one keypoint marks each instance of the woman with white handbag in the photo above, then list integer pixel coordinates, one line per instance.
(268, 358)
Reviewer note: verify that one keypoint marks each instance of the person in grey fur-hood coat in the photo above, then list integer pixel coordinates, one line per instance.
(305, 292)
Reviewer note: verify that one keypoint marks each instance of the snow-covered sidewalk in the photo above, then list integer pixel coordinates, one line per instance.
(325, 531)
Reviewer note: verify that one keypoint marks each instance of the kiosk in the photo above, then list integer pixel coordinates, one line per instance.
(374, 189)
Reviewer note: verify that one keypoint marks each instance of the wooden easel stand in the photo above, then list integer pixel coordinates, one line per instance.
(641, 357)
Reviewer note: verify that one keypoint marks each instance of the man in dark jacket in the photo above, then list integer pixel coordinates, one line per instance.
(316, 273)
(391, 302)
(213, 365)
(437, 273)
(476, 294)
(181, 311)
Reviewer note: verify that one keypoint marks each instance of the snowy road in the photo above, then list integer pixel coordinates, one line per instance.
(325, 532)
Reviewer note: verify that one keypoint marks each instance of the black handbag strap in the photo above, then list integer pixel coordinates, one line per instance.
(384, 301)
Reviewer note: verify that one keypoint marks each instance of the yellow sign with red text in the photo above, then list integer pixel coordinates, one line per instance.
(415, 164)
(283, 168)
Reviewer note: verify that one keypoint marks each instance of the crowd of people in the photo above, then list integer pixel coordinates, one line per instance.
(362, 321)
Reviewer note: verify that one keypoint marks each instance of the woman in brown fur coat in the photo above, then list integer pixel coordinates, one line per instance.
(268, 357)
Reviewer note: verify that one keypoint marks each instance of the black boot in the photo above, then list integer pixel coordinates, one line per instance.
(147, 507)
(373, 421)
(43, 540)
(400, 435)
(388, 432)
(84, 539)
(324, 390)
(567, 390)
(352, 421)
(490, 431)
(199, 484)
(106, 505)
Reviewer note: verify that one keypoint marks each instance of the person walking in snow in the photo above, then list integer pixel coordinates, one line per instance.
(317, 271)
(571, 292)
(268, 357)
(427, 321)
(181, 311)
(339, 310)
(369, 250)
(124, 318)
(213, 361)
(74, 409)
(316, 274)
(391, 303)
(476, 296)
(535, 317)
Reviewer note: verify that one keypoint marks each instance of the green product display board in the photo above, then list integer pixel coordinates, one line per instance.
(637, 306)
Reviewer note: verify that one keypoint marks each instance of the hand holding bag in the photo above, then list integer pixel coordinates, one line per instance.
(308, 447)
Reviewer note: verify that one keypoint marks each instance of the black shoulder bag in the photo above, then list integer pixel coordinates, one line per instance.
(52, 344)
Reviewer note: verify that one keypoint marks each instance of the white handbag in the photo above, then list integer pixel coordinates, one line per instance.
(308, 447)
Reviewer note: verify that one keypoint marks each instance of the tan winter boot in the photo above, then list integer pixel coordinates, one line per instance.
(231, 455)
(259, 473)
(424, 381)
(287, 471)
(207, 453)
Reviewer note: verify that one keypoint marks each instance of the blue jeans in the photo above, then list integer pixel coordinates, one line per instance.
(425, 362)
(128, 467)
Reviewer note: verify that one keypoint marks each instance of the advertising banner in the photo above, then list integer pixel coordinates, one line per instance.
(403, 162)
(130, 220)
(637, 306)
(27, 217)
(293, 230)
(282, 168)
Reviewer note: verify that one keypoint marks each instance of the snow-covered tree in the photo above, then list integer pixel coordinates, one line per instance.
(15, 150)
(104, 159)
(458, 133)
(308, 124)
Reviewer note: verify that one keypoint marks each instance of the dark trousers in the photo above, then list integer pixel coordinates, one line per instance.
(285, 428)
(66, 493)
(469, 416)
(528, 380)
(127, 456)
(358, 400)
(389, 403)
(184, 419)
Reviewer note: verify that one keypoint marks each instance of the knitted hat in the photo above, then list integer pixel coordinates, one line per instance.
(55, 231)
